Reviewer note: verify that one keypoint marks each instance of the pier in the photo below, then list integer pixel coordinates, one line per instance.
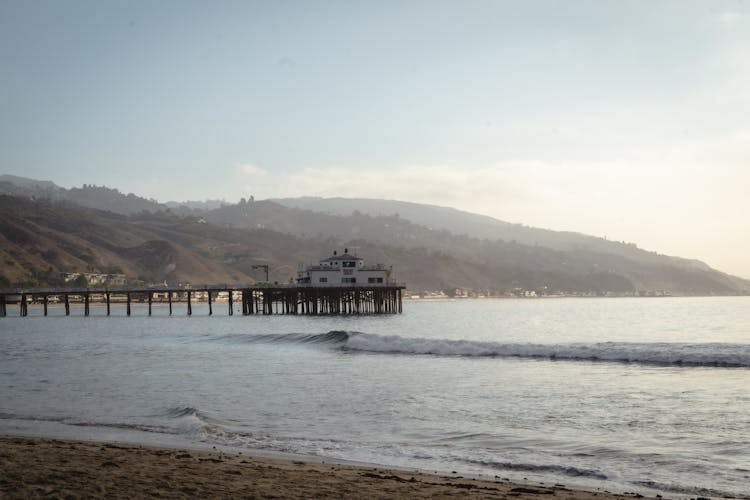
(254, 299)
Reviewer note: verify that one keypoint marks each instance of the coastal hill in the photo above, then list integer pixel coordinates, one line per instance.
(88, 195)
(574, 263)
(42, 236)
(483, 227)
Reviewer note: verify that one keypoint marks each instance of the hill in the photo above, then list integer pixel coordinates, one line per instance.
(88, 195)
(588, 265)
(484, 227)
(41, 238)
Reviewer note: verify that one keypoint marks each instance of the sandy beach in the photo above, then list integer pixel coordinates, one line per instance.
(37, 467)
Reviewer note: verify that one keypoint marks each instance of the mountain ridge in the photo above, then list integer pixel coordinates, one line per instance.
(40, 236)
(476, 225)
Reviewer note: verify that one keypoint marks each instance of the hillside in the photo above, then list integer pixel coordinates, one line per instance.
(484, 227)
(88, 195)
(508, 260)
(41, 238)
(324, 222)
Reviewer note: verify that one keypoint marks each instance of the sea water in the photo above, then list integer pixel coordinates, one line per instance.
(646, 395)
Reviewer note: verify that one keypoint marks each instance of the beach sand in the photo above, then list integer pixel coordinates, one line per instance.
(37, 467)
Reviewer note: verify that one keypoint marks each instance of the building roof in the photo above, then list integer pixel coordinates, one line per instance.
(375, 267)
(344, 256)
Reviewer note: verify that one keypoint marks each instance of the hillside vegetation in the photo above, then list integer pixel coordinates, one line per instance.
(46, 230)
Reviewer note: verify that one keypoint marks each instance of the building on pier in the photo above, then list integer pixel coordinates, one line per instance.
(345, 269)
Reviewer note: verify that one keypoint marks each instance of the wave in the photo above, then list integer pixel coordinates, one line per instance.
(332, 337)
(181, 411)
(679, 354)
(654, 353)
(565, 470)
(693, 491)
(196, 425)
(188, 422)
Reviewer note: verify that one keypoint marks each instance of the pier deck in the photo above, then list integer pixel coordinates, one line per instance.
(254, 299)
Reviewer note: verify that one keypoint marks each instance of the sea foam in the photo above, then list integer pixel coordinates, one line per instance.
(661, 353)
(657, 353)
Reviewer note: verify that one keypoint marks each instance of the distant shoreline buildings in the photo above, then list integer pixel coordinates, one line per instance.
(95, 279)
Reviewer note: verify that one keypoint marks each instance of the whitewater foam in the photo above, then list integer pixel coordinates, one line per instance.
(715, 355)
(680, 354)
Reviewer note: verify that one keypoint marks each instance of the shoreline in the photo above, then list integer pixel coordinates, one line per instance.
(36, 466)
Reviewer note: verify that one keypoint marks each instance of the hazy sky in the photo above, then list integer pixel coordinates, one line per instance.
(623, 119)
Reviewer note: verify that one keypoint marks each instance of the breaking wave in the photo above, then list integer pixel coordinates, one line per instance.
(564, 470)
(679, 354)
(197, 426)
(656, 353)
(332, 337)
(693, 491)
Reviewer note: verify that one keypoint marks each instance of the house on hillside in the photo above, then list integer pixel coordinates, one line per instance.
(95, 279)
(343, 270)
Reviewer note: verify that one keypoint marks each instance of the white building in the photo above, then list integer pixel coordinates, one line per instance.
(344, 270)
(95, 279)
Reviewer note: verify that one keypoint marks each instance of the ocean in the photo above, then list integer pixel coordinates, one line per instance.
(626, 395)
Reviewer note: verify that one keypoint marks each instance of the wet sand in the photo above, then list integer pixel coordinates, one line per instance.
(37, 467)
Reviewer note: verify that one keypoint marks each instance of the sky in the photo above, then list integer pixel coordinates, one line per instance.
(623, 119)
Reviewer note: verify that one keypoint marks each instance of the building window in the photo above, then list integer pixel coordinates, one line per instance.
(374, 280)
(322, 280)
(349, 264)
(348, 280)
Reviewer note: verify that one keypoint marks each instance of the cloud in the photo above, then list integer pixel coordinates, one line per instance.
(726, 18)
(562, 194)
(249, 170)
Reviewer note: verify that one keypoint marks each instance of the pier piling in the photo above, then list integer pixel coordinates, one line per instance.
(259, 299)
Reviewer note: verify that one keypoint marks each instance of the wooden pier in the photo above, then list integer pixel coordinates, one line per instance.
(264, 300)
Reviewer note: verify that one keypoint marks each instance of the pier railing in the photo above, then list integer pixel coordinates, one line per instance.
(184, 288)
